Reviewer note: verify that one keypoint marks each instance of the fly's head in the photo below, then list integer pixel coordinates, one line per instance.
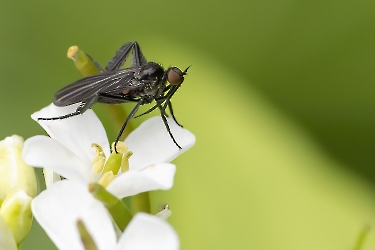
(175, 76)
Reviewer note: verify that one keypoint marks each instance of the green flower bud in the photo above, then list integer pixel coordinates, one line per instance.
(13, 170)
(16, 212)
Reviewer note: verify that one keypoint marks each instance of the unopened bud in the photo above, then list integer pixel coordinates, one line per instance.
(14, 171)
(16, 212)
(6, 237)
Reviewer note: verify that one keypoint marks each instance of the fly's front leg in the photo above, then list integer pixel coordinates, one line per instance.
(80, 110)
(168, 129)
(131, 115)
(171, 111)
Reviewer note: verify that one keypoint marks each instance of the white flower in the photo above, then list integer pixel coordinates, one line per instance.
(68, 150)
(58, 209)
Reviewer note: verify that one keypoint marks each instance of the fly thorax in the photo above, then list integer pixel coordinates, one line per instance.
(150, 71)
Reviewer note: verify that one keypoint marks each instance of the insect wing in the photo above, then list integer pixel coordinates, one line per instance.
(84, 89)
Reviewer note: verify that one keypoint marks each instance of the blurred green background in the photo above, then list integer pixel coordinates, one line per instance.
(280, 96)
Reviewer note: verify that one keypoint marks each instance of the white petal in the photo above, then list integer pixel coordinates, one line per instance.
(146, 232)
(154, 177)
(42, 151)
(58, 209)
(76, 133)
(151, 143)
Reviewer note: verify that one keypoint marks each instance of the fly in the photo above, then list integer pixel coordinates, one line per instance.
(142, 83)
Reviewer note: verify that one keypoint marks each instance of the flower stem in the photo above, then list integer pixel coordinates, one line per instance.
(140, 203)
(115, 207)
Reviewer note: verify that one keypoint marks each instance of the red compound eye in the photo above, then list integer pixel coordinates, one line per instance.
(175, 76)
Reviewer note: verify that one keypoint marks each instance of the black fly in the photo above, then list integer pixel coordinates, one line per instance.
(141, 83)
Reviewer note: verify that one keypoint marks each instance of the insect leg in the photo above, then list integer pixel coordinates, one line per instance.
(171, 110)
(159, 101)
(168, 129)
(132, 113)
(138, 59)
(148, 111)
(119, 59)
(80, 110)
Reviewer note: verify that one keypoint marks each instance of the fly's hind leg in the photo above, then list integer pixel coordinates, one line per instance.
(137, 58)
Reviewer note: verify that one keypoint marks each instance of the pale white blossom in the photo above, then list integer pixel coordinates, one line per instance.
(68, 151)
(58, 209)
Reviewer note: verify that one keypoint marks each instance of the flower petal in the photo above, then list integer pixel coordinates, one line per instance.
(42, 151)
(151, 143)
(77, 133)
(154, 177)
(146, 232)
(58, 209)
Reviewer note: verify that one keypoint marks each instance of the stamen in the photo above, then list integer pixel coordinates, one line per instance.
(106, 178)
(122, 148)
(125, 161)
(118, 160)
(99, 160)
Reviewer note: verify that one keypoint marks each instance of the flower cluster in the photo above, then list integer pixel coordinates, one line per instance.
(81, 207)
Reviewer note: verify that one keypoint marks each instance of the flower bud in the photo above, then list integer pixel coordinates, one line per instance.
(13, 170)
(16, 212)
(6, 239)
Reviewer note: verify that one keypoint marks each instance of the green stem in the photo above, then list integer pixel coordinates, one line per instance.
(115, 207)
(140, 203)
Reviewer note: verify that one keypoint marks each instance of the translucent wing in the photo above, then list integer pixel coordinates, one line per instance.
(103, 83)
